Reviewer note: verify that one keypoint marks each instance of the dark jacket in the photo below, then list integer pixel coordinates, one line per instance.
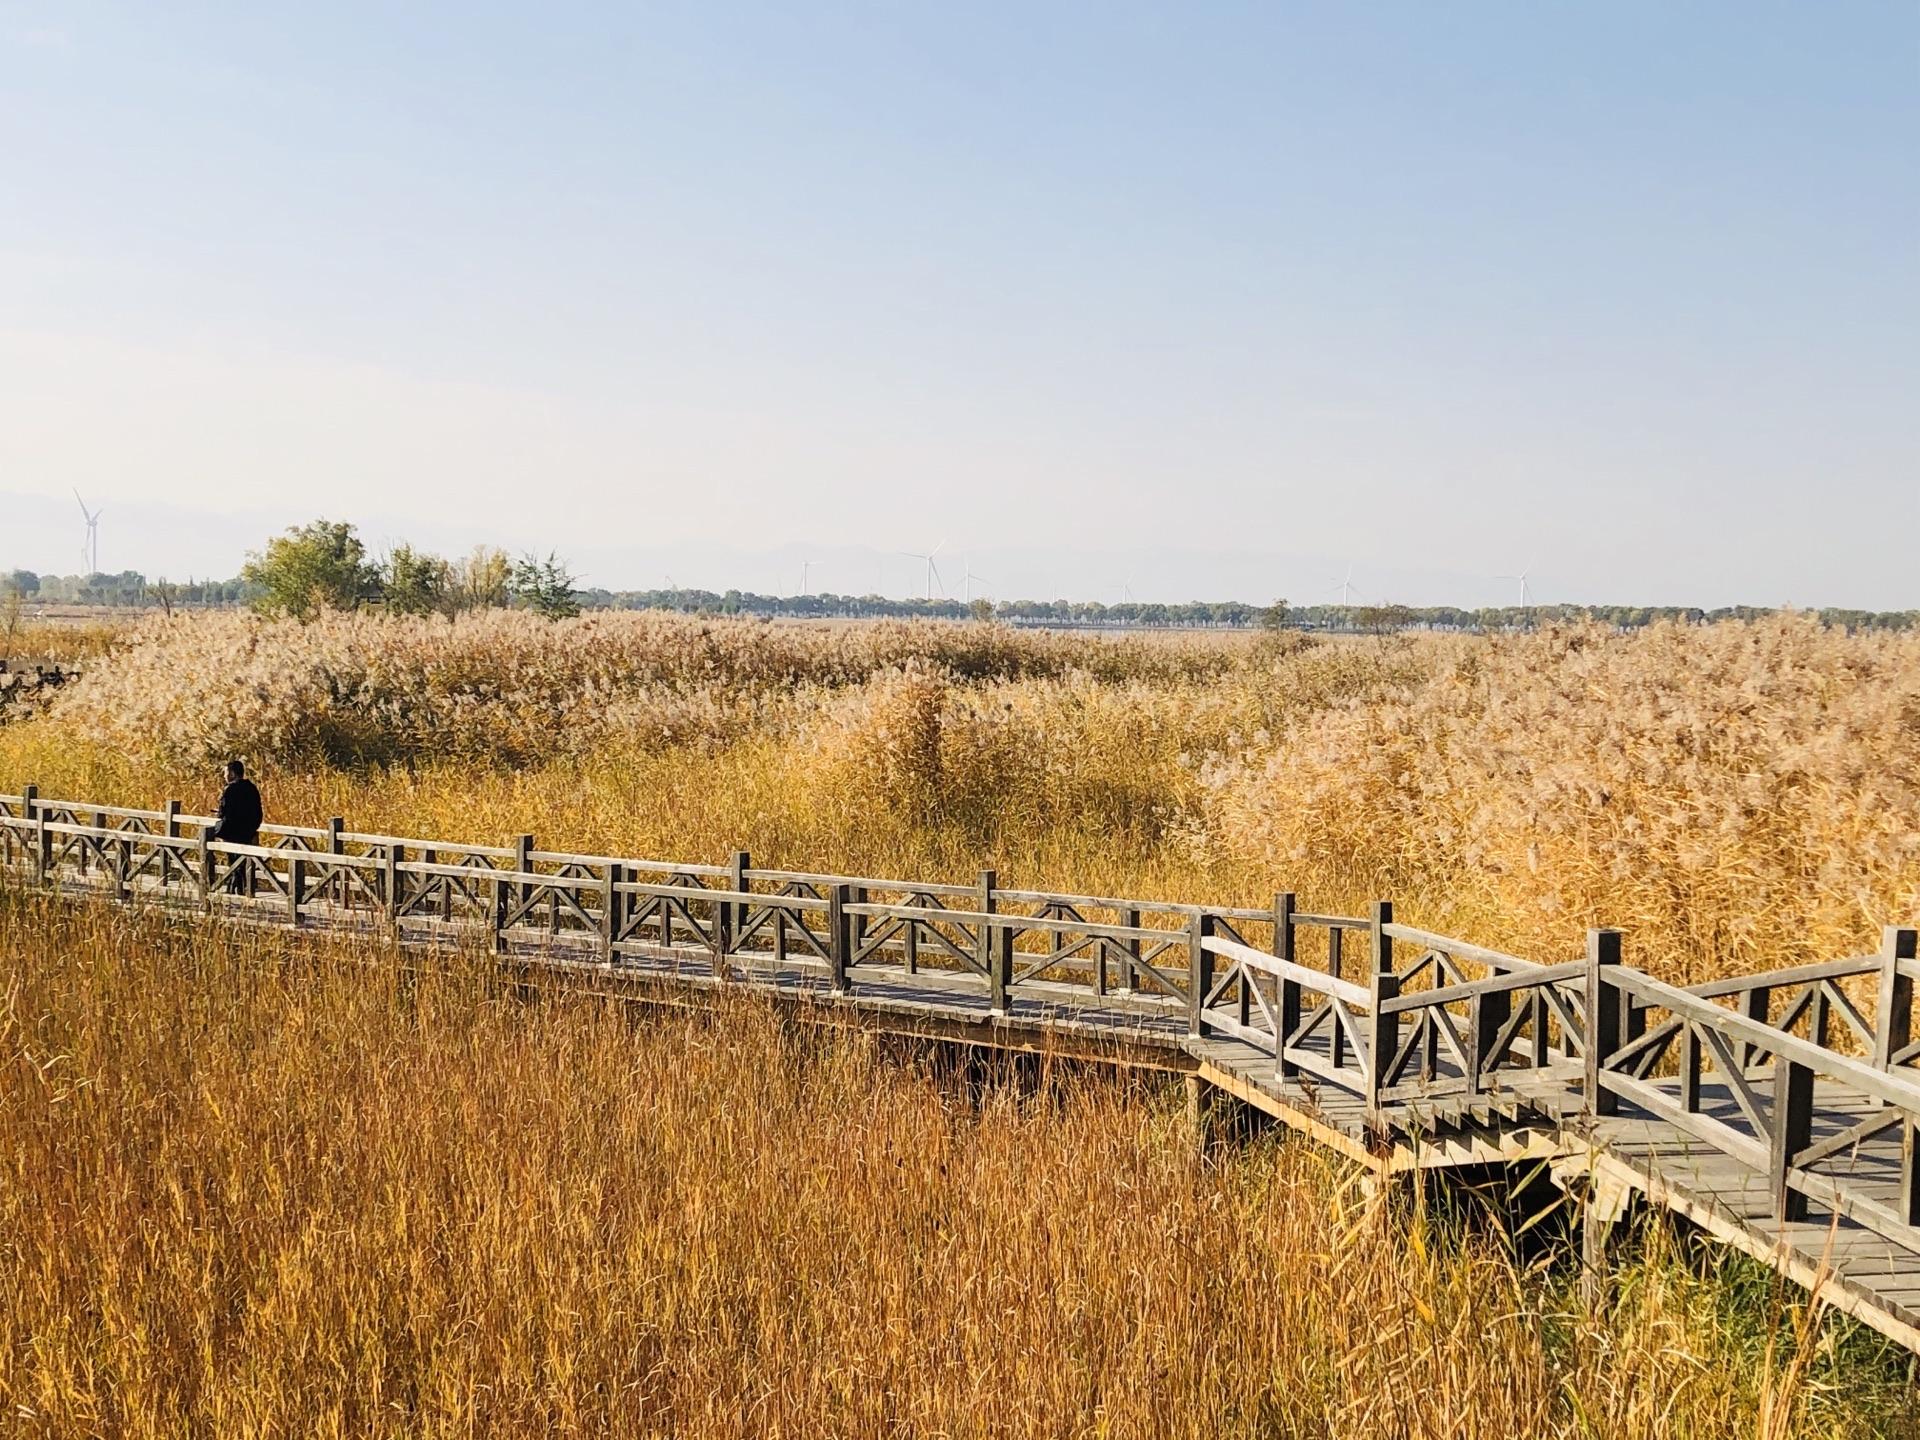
(240, 814)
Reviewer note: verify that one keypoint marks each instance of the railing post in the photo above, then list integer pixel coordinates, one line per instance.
(987, 951)
(30, 799)
(337, 877)
(1200, 929)
(1488, 1013)
(122, 863)
(722, 936)
(1603, 1018)
(522, 865)
(500, 889)
(839, 936)
(1893, 1022)
(1908, 1200)
(1792, 1133)
(1129, 970)
(1754, 1005)
(167, 860)
(392, 885)
(742, 862)
(857, 924)
(613, 911)
(43, 844)
(1336, 967)
(206, 869)
(609, 911)
(1383, 1029)
(1287, 1019)
(296, 888)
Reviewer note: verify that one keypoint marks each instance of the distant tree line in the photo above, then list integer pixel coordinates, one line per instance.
(1210, 614)
(325, 564)
(128, 588)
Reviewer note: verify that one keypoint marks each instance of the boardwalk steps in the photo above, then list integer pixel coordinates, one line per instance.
(1776, 1111)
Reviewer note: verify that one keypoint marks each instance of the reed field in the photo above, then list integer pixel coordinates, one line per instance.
(1734, 797)
(258, 1184)
(254, 1184)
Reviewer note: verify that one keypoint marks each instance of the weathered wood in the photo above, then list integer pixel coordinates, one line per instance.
(296, 888)
(609, 912)
(1603, 1017)
(1199, 970)
(1489, 1012)
(1383, 1025)
(1305, 976)
(1504, 983)
(1784, 979)
(1460, 949)
(1792, 1133)
(839, 936)
(985, 901)
(1893, 1017)
(1285, 951)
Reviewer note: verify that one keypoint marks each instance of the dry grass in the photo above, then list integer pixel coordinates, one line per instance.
(22, 639)
(1735, 796)
(257, 1186)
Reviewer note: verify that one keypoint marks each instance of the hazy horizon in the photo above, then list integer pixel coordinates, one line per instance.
(1193, 304)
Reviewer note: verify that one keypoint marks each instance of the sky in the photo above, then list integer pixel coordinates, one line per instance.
(1176, 301)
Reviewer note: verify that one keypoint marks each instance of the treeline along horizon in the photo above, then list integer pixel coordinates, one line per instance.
(326, 562)
(131, 589)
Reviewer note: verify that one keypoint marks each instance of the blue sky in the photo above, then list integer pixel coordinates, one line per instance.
(1194, 300)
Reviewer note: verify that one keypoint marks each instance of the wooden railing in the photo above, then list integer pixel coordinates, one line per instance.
(1798, 1074)
(1775, 1096)
(981, 938)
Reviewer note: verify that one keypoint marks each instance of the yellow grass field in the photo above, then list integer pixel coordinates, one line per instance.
(1735, 797)
(253, 1185)
(257, 1186)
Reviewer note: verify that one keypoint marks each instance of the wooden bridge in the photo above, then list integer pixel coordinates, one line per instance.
(1777, 1111)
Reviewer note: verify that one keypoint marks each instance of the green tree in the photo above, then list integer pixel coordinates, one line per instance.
(417, 583)
(1274, 617)
(545, 587)
(482, 581)
(313, 567)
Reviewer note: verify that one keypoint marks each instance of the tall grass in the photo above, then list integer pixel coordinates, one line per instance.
(255, 1185)
(1735, 796)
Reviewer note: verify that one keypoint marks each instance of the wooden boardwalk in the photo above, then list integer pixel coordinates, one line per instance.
(1777, 1111)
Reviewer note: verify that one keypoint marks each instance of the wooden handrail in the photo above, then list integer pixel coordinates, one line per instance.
(1528, 979)
(1876, 1084)
(1784, 979)
(1460, 949)
(1352, 995)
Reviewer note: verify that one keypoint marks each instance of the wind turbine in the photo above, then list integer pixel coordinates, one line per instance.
(1526, 590)
(967, 583)
(1345, 587)
(90, 552)
(805, 567)
(933, 570)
